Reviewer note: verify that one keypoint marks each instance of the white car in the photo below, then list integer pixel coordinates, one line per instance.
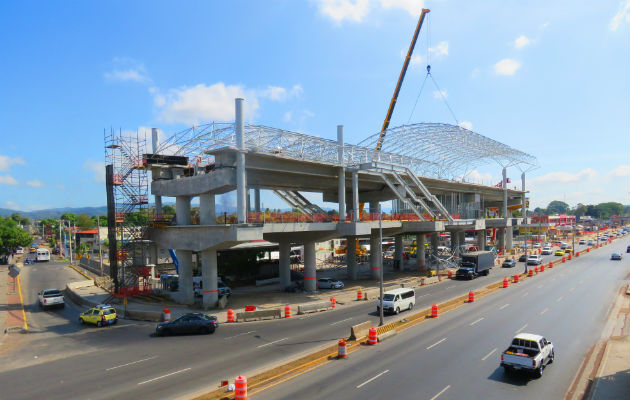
(19, 250)
(534, 260)
(528, 352)
(51, 298)
(329, 283)
(582, 242)
(547, 251)
(536, 245)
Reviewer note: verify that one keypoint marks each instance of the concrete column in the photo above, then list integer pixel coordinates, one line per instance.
(155, 140)
(310, 267)
(454, 242)
(398, 251)
(186, 294)
(351, 257)
(421, 252)
(481, 239)
(284, 264)
(434, 245)
(375, 253)
(241, 177)
(257, 200)
(207, 211)
(501, 239)
(182, 210)
(505, 214)
(461, 238)
(342, 174)
(158, 205)
(524, 206)
(355, 195)
(509, 234)
(209, 277)
(249, 201)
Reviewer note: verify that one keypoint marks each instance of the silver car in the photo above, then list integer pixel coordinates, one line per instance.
(329, 283)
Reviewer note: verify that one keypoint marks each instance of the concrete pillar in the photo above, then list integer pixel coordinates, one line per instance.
(207, 211)
(185, 294)
(155, 140)
(257, 200)
(509, 235)
(454, 243)
(158, 205)
(210, 290)
(501, 239)
(461, 238)
(284, 264)
(421, 252)
(241, 178)
(351, 257)
(481, 239)
(249, 201)
(182, 210)
(398, 251)
(375, 253)
(355, 196)
(310, 267)
(434, 245)
(524, 205)
(504, 172)
(342, 174)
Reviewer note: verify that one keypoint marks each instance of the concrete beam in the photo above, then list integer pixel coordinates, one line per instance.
(201, 237)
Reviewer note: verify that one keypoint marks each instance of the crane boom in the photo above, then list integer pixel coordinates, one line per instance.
(392, 103)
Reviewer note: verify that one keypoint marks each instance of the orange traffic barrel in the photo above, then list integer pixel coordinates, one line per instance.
(287, 311)
(372, 336)
(422, 281)
(506, 283)
(166, 314)
(230, 315)
(516, 277)
(564, 259)
(550, 264)
(569, 256)
(577, 254)
(359, 295)
(333, 301)
(536, 270)
(341, 349)
(439, 277)
(530, 273)
(471, 297)
(588, 249)
(240, 388)
(434, 311)
(542, 268)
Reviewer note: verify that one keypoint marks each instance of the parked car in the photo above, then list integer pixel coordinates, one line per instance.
(102, 314)
(329, 283)
(51, 298)
(522, 258)
(615, 256)
(528, 352)
(188, 323)
(534, 259)
(19, 250)
(55, 250)
(509, 263)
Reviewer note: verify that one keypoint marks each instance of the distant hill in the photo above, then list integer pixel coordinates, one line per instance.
(55, 212)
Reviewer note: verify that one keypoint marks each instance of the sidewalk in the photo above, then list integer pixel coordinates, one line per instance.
(12, 318)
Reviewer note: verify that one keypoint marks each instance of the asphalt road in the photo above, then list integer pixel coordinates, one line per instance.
(457, 356)
(70, 361)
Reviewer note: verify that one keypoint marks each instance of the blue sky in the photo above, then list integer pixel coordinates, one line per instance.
(551, 78)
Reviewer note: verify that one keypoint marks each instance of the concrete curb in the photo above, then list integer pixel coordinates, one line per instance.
(387, 335)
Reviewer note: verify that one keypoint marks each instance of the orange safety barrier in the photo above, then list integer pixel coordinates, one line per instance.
(577, 254)
(569, 256)
(422, 281)
(539, 251)
(542, 268)
(250, 308)
(588, 249)
(439, 278)
(359, 295)
(434, 311)
(287, 311)
(564, 259)
(516, 278)
(230, 315)
(536, 270)
(550, 264)
(506, 283)
(450, 273)
(372, 336)
(530, 273)
(471, 297)
(240, 388)
(341, 349)
(166, 314)
(333, 301)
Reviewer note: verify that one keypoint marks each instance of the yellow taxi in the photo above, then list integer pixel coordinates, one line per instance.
(568, 250)
(102, 314)
(559, 252)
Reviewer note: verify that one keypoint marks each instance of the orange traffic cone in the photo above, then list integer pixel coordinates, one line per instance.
(471, 297)
(434, 311)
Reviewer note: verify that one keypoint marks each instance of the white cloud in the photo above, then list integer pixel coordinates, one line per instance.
(560, 177)
(35, 183)
(189, 105)
(280, 94)
(6, 162)
(440, 94)
(440, 50)
(622, 14)
(466, 124)
(506, 66)
(521, 42)
(7, 180)
(413, 7)
(97, 168)
(287, 116)
(621, 171)
(340, 10)
(474, 73)
(478, 177)
(415, 61)
(11, 204)
(127, 70)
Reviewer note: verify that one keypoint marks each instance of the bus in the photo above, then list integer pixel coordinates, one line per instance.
(43, 255)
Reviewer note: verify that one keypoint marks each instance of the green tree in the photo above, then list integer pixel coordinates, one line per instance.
(557, 207)
(71, 217)
(168, 210)
(580, 210)
(606, 210)
(84, 221)
(12, 236)
(100, 220)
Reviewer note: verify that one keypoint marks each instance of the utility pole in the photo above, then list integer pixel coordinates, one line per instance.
(100, 251)
(380, 261)
(70, 235)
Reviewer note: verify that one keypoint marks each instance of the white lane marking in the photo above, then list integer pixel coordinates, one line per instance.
(540, 286)
(559, 299)
(473, 323)
(435, 344)
(572, 289)
(521, 328)
(343, 320)
(371, 379)
(240, 334)
(525, 294)
(448, 287)
(489, 354)
(544, 311)
(131, 363)
(423, 295)
(164, 376)
(441, 391)
(503, 306)
(270, 343)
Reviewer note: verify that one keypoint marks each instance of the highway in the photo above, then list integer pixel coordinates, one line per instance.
(457, 356)
(125, 360)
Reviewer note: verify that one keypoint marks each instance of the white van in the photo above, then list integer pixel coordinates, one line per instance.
(43, 255)
(396, 300)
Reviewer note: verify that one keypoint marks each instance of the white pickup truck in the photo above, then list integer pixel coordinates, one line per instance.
(529, 353)
(51, 298)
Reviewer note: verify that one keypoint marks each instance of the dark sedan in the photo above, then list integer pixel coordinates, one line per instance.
(522, 258)
(615, 256)
(188, 323)
(509, 263)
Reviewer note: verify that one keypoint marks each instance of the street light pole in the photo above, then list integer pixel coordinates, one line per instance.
(100, 251)
(380, 261)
